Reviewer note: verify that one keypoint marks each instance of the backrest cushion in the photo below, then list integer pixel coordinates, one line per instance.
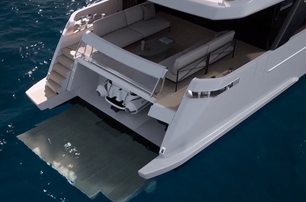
(148, 10)
(110, 23)
(220, 41)
(189, 57)
(133, 14)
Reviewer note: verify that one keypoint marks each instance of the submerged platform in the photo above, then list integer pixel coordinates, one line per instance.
(92, 155)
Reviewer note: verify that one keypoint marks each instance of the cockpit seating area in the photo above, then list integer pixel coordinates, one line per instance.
(131, 25)
(199, 56)
(193, 52)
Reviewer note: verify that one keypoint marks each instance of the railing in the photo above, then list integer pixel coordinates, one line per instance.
(205, 61)
(139, 72)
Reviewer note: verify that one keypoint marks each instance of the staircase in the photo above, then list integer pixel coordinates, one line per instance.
(58, 77)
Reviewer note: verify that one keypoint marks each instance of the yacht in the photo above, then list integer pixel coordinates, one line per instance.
(179, 74)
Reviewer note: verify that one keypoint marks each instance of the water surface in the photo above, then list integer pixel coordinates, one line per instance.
(263, 159)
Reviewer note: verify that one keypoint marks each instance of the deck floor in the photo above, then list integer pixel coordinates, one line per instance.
(93, 156)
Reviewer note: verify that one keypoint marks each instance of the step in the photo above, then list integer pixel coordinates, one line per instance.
(55, 87)
(49, 92)
(61, 70)
(66, 62)
(69, 53)
(56, 77)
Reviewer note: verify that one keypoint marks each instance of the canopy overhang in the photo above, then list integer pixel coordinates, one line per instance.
(218, 9)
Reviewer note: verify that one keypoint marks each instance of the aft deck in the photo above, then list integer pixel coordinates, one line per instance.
(183, 39)
(244, 53)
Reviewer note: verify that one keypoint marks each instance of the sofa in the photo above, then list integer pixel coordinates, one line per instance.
(130, 25)
(199, 56)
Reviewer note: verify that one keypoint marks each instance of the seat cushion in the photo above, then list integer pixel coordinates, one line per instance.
(133, 14)
(221, 40)
(191, 63)
(192, 56)
(149, 27)
(110, 23)
(123, 37)
(220, 53)
(169, 62)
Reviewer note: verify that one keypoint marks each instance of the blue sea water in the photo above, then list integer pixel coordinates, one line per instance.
(263, 159)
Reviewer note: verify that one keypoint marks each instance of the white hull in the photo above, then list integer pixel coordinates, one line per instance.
(198, 120)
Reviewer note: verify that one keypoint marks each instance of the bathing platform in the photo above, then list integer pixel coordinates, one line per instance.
(92, 155)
